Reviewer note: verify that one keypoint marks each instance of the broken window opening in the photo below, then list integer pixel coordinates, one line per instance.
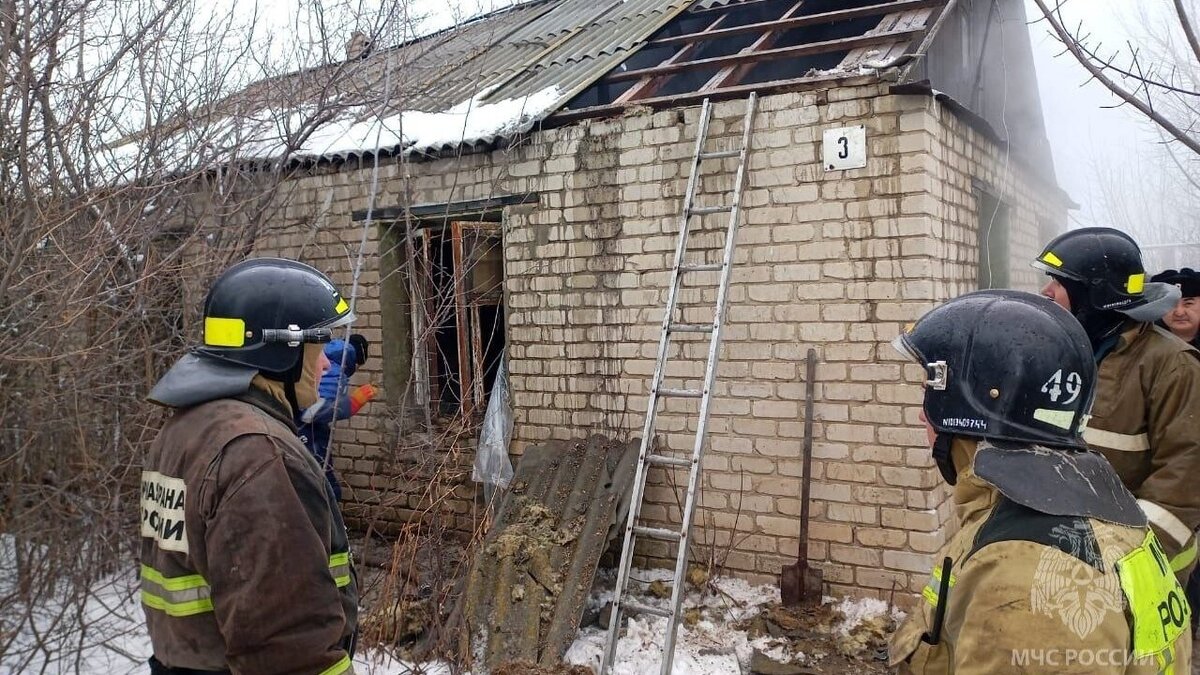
(459, 309)
(992, 240)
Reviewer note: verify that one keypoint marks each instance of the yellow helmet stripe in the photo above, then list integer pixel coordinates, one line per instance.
(222, 332)
(1050, 259)
(1136, 283)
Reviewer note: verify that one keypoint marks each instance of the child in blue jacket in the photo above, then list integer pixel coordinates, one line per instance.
(337, 402)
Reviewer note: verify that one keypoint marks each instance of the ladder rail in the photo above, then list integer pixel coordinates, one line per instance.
(639, 480)
(710, 375)
(646, 458)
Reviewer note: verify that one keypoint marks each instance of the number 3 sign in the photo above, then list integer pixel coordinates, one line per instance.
(844, 148)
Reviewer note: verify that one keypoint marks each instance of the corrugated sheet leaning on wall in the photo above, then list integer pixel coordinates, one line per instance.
(530, 581)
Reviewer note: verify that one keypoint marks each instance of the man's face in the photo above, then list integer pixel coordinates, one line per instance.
(315, 365)
(1057, 292)
(1184, 320)
(930, 432)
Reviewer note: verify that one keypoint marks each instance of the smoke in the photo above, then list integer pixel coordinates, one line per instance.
(1111, 161)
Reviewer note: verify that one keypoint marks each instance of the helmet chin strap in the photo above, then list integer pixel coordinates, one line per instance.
(941, 454)
(1099, 324)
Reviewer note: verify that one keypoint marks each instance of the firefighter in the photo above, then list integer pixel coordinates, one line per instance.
(245, 560)
(1147, 409)
(1184, 319)
(1053, 568)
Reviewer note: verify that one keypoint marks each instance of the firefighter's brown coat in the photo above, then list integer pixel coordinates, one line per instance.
(1148, 394)
(260, 528)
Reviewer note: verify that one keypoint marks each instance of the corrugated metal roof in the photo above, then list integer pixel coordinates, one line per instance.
(513, 54)
(530, 580)
(489, 78)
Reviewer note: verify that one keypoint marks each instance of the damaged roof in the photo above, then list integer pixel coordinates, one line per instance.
(499, 75)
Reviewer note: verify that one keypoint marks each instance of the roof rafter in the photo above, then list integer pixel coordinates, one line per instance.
(733, 73)
(797, 21)
(823, 47)
(649, 85)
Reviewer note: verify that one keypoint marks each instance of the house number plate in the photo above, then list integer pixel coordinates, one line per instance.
(845, 148)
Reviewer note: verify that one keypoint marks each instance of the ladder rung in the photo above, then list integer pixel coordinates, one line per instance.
(690, 327)
(639, 608)
(705, 210)
(681, 393)
(701, 267)
(663, 460)
(718, 154)
(656, 533)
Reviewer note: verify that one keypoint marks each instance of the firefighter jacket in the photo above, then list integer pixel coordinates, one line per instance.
(1146, 421)
(245, 565)
(1023, 590)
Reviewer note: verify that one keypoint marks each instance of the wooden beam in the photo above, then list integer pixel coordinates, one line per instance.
(447, 210)
(462, 326)
(738, 91)
(649, 86)
(732, 74)
(799, 21)
(428, 293)
(823, 47)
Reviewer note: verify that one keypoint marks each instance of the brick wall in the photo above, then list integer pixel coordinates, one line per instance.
(836, 261)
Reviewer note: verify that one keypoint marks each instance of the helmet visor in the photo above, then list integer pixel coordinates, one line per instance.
(341, 321)
(902, 345)
(1157, 300)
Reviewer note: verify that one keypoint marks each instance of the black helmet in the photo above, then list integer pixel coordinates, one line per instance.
(1003, 365)
(1106, 266)
(1187, 279)
(259, 312)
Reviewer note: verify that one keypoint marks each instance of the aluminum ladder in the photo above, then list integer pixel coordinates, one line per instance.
(646, 459)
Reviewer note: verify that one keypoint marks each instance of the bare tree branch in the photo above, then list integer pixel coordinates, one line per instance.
(1089, 61)
(1186, 23)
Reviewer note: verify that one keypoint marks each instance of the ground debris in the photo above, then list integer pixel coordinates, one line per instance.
(527, 668)
(836, 637)
(867, 638)
(397, 623)
(761, 664)
(659, 589)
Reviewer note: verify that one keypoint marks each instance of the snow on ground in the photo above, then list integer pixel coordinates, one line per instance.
(106, 635)
(858, 610)
(714, 645)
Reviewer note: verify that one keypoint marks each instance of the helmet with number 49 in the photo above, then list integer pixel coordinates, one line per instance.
(1005, 366)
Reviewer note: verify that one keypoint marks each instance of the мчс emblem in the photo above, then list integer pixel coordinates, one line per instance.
(1081, 595)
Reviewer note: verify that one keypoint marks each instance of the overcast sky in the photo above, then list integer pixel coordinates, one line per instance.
(1083, 132)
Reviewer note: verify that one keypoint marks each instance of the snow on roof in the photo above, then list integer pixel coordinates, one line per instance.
(273, 134)
(471, 121)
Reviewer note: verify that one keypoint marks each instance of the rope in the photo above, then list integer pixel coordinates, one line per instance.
(343, 383)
